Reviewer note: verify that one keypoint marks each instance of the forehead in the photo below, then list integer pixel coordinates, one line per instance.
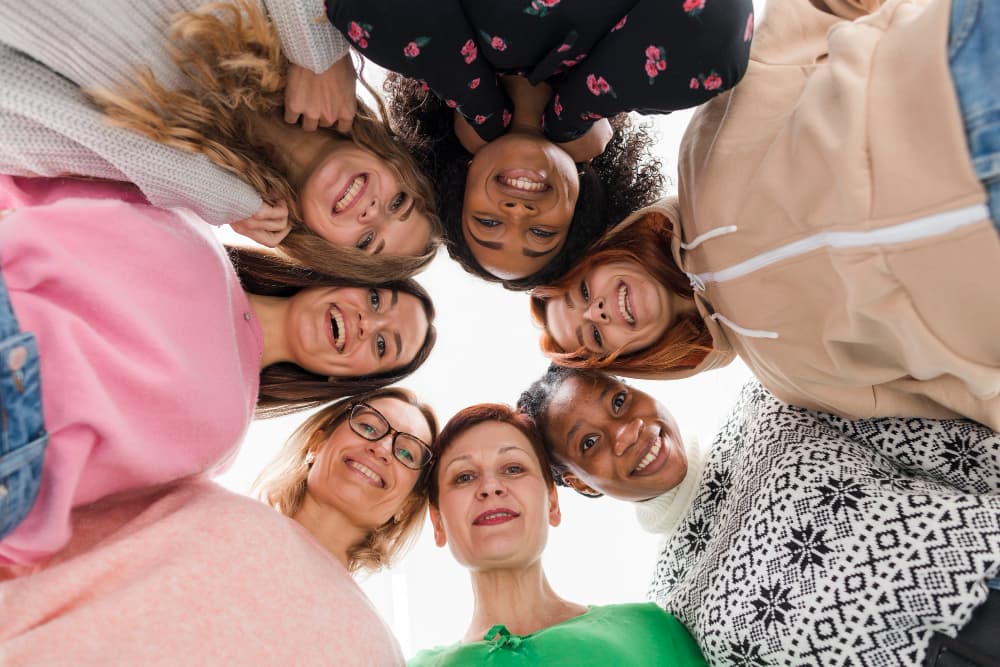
(403, 416)
(411, 319)
(561, 324)
(410, 237)
(487, 440)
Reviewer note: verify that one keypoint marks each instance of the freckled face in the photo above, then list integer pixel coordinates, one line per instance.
(519, 200)
(494, 505)
(352, 198)
(354, 331)
(615, 439)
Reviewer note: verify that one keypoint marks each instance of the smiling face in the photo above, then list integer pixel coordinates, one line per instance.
(360, 478)
(494, 505)
(354, 331)
(614, 439)
(616, 306)
(352, 198)
(519, 200)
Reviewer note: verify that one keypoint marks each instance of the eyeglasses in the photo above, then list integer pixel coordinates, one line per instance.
(370, 424)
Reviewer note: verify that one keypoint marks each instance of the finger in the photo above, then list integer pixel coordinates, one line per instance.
(291, 117)
(327, 120)
(277, 211)
(309, 123)
(344, 123)
(274, 224)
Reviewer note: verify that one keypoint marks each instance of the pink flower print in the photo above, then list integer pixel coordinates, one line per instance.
(563, 48)
(661, 65)
(557, 106)
(655, 62)
(358, 33)
(694, 7)
(412, 50)
(599, 86)
(713, 81)
(620, 24)
(695, 84)
(575, 61)
(550, 3)
(651, 70)
(470, 51)
(652, 52)
(451, 103)
(498, 44)
(590, 115)
(423, 85)
(505, 118)
(748, 31)
(480, 119)
(474, 83)
(540, 7)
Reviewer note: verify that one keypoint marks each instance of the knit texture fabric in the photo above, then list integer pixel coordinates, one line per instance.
(663, 513)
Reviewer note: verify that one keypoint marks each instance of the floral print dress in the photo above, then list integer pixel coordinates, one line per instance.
(601, 57)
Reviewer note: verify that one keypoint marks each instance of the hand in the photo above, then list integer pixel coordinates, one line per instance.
(467, 135)
(268, 226)
(322, 100)
(590, 144)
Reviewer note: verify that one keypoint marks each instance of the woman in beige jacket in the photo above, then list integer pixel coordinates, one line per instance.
(832, 228)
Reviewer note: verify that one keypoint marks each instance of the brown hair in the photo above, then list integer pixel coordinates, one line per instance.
(286, 387)
(477, 414)
(646, 241)
(283, 483)
(232, 58)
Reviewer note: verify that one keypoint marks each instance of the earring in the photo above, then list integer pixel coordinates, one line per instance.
(310, 457)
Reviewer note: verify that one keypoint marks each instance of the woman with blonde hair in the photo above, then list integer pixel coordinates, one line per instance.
(198, 91)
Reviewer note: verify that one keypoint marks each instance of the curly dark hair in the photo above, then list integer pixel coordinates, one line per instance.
(620, 181)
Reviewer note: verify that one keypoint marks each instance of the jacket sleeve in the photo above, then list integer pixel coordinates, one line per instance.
(306, 36)
(433, 42)
(49, 128)
(661, 57)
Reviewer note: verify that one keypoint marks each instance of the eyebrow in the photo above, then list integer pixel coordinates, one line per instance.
(469, 456)
(537, 253)
(492, 245)
(579, 422)
(381, 246)
(393, 298)
(399, 344)
(409, 209)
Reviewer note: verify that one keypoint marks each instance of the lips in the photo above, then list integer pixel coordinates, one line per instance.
(495, 516)
(366, 472)
(654, 455)
(625, 304)
(338, 328)
(523, 183)
(351, 194)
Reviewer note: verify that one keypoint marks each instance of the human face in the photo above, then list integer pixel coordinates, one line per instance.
(614, 439)
(360, 478)
(519, 200)
(494, 505)
(353, 331)
(615, 307)
(352, 198)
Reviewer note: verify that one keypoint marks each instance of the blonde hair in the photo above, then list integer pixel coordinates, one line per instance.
(231, 55)
(284, 482)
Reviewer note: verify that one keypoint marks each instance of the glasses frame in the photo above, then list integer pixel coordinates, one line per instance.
(390, 431)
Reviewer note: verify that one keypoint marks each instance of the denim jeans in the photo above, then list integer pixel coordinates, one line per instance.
(974, 58)
(22, 428)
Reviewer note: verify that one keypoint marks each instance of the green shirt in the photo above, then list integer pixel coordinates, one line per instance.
(620, 635)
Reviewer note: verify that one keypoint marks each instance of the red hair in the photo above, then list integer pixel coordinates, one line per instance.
(646, 242)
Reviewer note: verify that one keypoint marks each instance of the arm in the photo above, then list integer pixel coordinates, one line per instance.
(431, 41)
(661, 59)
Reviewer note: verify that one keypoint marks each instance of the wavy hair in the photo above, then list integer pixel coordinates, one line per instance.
(283, 483)
(646, 241)
(231, 56)
(287, 387)
(623, 179)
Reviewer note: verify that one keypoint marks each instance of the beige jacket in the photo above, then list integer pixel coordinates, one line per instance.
(832, 224)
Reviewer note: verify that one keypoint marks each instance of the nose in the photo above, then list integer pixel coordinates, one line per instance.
(627, 435)
(370, 211)
(516, 205)
(597, 311)
(490, 486)
(369, 322)
(381, 448)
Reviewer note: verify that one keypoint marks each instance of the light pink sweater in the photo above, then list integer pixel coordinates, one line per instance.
(149, 350)
(190, 575)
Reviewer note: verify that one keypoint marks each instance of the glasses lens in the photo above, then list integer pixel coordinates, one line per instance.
(368, 423)
(411, 452)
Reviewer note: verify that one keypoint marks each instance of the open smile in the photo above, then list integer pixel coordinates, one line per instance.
(625, 305)
(653, 457)
(496, 516)
(366, 473)
(351, 194)
(523, 183)
(338, 328)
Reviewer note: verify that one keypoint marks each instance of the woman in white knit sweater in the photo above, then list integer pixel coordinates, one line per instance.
(210, 119)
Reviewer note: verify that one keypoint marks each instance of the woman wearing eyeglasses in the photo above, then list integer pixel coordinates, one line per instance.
(355, 476)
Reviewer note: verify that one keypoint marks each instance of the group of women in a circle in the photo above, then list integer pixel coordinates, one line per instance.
(835, 226)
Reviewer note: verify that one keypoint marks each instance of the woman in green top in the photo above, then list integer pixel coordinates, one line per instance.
(492, 500)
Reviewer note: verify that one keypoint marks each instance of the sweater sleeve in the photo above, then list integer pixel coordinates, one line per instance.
(49, 128)
(306, 36)
(659, 58)
(433, 42)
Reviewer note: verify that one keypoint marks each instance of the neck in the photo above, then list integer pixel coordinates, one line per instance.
(330, 528)
(521, 599)
(301, 151)
(270, 312)
(529, 103)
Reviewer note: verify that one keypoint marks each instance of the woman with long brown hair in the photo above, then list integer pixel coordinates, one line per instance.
(201, 92)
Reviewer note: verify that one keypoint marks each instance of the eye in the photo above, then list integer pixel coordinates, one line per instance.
(374, 300)
(589, 442)
(380, 345)
(404, 454)
(398, 201)
(488, 223)
(464, 478)
(542, 233)
(598, 339)
(584, 292)
(514, 469)
(367, 428)
(618, 401)
(365, 241)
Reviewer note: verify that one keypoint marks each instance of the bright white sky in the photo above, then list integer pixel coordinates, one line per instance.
(487, 351)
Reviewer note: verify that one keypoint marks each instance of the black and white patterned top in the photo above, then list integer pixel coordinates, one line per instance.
(815, 540)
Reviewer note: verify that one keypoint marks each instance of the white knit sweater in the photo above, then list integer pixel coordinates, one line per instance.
(663, 513)
(49, 128)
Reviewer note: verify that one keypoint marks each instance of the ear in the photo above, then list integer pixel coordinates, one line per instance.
(580, 486)
(440, 538)
(555, 515)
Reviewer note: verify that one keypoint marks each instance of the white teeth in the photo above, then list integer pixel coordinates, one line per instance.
(525, 184)
(338, 328)
(366, 471)
(348, 198)
(650, 455)
(495, 515)
(623, 304)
